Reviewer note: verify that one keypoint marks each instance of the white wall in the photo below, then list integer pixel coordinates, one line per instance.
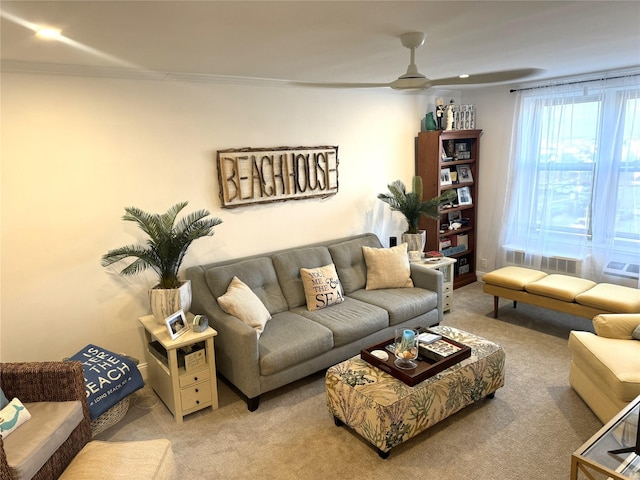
(76, 151)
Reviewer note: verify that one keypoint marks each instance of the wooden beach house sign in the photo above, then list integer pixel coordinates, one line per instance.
(248, 176)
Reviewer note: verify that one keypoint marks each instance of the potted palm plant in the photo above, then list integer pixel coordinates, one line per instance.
(410, 204)
(163, 252)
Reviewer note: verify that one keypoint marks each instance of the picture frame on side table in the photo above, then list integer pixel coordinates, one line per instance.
(176, 324)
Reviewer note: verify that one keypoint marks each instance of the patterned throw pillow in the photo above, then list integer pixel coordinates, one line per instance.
(387, 267)
(12, 416)
(241, 302)
(321, 287)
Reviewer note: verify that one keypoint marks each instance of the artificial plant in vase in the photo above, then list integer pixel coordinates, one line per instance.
(168, 242)
(410, 204)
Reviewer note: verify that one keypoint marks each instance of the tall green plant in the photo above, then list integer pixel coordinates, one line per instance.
(410, 204)
(167, 244)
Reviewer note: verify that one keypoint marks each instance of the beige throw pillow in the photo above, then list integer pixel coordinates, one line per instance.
(321, 287)
(387, 267)
(241, 302)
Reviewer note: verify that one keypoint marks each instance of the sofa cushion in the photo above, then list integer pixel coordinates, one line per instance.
(349, 261)
(402, 304)
(12, 416)
(349, 321)
(287, 266)
(31, 445)
(321, 287)
(257, 273)
(387, 267)
(612, 298)
(613, 363)
(242, 303)
(616, 325)
(290, 340)
(561, 287)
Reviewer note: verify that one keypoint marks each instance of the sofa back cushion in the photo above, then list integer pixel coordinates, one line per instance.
(349, 261)
(287, 266)
(257, 273)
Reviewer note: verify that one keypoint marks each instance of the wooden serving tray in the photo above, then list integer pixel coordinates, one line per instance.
(426, 367)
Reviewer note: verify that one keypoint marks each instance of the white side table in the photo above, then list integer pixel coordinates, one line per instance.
(182, 391)
(445, 265)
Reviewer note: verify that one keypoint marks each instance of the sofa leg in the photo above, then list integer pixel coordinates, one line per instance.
(253, 403)
(515, 304)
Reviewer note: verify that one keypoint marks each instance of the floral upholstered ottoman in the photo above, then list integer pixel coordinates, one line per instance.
(386, 411)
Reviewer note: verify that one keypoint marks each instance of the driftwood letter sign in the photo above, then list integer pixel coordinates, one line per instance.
(249, 176)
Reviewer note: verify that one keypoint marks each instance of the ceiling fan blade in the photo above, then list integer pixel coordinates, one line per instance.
(339, 85)
(493, 77)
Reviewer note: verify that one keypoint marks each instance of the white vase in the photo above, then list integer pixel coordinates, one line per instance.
(167, 301)
(415, 241)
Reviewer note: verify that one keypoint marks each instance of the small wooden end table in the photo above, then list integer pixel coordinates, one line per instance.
(182, 391)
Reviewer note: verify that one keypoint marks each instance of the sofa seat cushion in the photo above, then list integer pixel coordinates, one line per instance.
(402, 304)
(290, 339)
(29, 447)
(512, 277)
(614, 363)
(612, 298)
(349, 321)
(561, 287)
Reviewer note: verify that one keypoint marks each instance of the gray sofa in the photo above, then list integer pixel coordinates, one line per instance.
(297, 342)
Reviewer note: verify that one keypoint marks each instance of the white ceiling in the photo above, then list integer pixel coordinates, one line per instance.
(332, 41)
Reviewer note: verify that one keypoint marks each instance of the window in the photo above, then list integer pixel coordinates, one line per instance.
(575, 173)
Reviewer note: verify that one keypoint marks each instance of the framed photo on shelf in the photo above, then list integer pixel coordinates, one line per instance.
(464, 173)
(176, 324)
(445, 176)
(464, 196)
(454, 217)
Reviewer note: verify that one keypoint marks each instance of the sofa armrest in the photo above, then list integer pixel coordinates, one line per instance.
(429, 279)
(616, 325)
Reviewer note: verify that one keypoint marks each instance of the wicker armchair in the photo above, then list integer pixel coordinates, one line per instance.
(48, 382)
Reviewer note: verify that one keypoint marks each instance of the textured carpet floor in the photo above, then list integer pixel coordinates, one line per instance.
(528, 431)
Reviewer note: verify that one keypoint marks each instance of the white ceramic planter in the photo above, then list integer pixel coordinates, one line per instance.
(167, 301)
(415, 241)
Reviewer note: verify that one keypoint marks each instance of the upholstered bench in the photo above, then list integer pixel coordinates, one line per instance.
(386, 412)
(563, 293)
(143, 460)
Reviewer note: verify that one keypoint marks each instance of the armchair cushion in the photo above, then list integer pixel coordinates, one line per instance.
(616, 325)
(29, 447)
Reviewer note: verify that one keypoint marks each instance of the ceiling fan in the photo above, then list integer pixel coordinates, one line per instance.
(414, 80)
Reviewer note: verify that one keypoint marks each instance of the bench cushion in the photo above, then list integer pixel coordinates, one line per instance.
(515, 278)
(613, 298)
(562, 287)
(144, 460)
(29, 447)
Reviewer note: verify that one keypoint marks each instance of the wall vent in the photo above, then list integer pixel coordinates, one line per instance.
(622, 269)
(570, 266)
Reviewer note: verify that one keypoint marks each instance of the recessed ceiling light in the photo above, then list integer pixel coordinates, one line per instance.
(49, 33)
(464, 75)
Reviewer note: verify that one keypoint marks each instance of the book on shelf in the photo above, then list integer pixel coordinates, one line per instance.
(462, 239)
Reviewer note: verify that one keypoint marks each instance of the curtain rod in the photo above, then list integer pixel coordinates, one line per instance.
(572, 83)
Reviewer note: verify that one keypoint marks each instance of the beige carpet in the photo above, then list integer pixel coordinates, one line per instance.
(527, 432)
